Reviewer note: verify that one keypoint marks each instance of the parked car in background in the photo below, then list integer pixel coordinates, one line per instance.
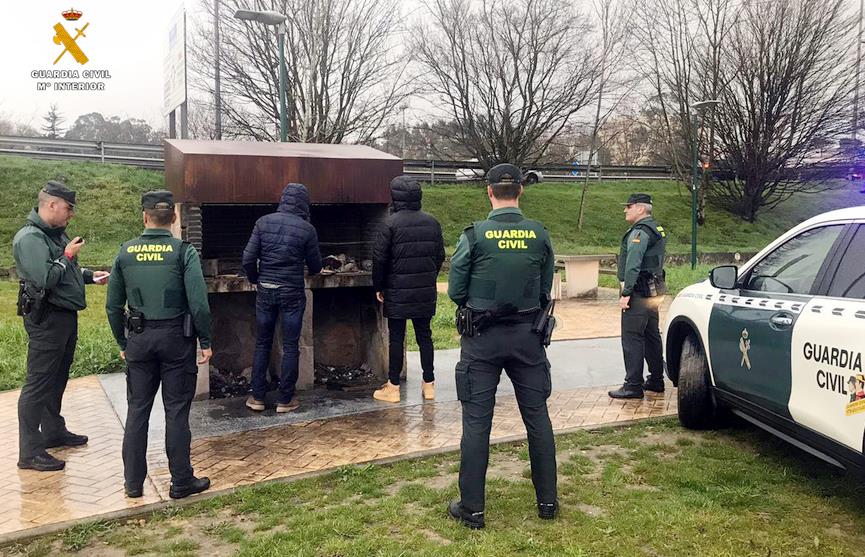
(779, 340)
(530, 177)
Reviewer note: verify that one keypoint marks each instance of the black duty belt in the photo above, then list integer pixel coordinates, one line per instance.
(517, 318)
(161, 323)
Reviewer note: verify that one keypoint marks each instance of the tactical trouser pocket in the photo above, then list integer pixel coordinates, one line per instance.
(464, 382)
(548, 383)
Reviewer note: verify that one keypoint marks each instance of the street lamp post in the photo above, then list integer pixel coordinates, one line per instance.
(276, 19)
(695, 108)
(403, 107)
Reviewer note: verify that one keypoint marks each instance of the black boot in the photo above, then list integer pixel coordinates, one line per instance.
(470, 519)
(627, 391)
(548, 511)
(42, 462)
(197, 485)
(654, 385)
(68, 440)
(133, 492)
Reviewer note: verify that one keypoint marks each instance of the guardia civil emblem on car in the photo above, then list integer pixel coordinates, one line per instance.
(744, 346)
(796, 313)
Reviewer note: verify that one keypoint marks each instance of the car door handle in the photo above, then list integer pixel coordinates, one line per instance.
(781, 320)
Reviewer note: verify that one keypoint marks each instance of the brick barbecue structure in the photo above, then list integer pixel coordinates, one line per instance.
(222, 187)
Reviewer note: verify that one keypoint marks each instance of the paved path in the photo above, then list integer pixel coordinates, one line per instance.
(235, 447)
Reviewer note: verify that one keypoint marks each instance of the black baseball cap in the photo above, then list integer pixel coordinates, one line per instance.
(59, 189)
(159, 199)
(498, 172)
(639, 198)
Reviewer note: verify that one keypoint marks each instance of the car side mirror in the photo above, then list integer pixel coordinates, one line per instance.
(725, 277)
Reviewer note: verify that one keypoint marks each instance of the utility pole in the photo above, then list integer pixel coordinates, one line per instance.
(217, 88)
(404, 130)
(858, 71)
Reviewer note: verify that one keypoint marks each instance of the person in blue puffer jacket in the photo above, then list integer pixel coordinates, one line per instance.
(280, 244)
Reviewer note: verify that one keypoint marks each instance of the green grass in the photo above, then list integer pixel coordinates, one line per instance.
(648, 489)
(556, 205)
(108, 212)
(96, 351)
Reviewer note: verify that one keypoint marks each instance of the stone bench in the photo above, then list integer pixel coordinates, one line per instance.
(581, 274)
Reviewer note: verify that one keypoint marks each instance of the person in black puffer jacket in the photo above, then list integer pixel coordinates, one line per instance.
(407, 256)
(274, 257)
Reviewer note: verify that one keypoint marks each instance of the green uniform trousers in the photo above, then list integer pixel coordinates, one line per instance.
(641, 340)
(50, 350)
(159, 354)
(517, 350)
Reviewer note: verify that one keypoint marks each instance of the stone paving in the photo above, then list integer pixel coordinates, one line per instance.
(92, 483)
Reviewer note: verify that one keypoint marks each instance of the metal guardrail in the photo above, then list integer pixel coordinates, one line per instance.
(151, 157)
(145, 156)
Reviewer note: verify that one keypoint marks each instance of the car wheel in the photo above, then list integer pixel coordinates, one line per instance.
(696, 405)
(531, 179)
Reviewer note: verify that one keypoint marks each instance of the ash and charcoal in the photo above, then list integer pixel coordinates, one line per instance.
(227, 384)
(345, 378)
(342, 263)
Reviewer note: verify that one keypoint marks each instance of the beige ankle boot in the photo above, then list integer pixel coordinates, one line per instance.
(388, 393)
(429, 390)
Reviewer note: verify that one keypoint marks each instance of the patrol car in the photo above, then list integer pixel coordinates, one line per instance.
(780, 341)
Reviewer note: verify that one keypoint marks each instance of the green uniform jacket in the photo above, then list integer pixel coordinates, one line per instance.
(38, 251)
(506, 259)
(149, 276)
(642, 249)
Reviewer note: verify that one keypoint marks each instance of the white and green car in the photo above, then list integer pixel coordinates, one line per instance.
(779, 341)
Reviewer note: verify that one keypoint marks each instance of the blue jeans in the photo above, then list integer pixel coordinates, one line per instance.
(270, 304)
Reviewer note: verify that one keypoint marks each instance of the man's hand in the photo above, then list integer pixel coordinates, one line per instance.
(380, 297)
(206, 354)
(123, 354)
(100, 277)
(73, 247)
(625, 302)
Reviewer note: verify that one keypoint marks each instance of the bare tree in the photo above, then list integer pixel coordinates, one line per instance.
(510, 73)
(202, 119)
(682, 41)
(788, 91)
(614, 18)
(423, 140)
(346, 76)
(629, 140)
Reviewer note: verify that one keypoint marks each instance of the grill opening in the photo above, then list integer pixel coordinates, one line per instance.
(342, 229)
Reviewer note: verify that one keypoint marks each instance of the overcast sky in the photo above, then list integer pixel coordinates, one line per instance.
(129, 39)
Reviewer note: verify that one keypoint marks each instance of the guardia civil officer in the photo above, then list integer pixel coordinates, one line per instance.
(501, 275)
(157, 279)
(641, 274)
(51, 295)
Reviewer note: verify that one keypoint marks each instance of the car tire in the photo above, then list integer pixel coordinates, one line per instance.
(696, 403)
(531, 179)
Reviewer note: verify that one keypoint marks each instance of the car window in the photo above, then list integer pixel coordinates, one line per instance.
(793, 266)
(849, 281)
